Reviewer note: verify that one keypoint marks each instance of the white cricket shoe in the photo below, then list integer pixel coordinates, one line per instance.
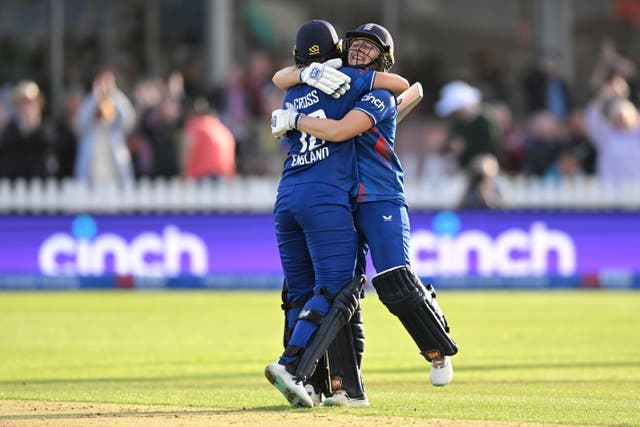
(441, 371)
(342, 398)
(291, 389)
(316, 397)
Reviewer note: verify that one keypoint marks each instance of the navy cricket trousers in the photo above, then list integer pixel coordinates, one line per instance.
(318, 245)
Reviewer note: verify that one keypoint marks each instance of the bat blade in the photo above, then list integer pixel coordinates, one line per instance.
(408, 99)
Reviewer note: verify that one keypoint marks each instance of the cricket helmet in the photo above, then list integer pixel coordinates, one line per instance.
(381, 38)
(316, 41)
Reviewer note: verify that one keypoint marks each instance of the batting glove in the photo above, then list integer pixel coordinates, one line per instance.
(282, 121)
(327, 77)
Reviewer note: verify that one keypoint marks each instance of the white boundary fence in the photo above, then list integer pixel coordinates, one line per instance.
(257, 194)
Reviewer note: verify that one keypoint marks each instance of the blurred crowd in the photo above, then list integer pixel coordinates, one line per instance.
(158, 127)
(555, 139)
(167, 127)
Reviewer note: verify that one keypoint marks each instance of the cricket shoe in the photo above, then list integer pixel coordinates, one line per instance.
(316, 396)
(441, 371)
(290, 387)
(342, 398)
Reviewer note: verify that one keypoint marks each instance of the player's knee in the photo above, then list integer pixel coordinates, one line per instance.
(399, 289)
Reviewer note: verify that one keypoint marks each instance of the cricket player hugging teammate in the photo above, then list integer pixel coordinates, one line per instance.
(315, 225)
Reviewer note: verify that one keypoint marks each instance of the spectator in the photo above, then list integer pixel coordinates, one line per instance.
(258, 146)
(156, 144)
(159, 135)
(257, 81)
(543, 143)
(512, 137)
(612, 65)
(148, 95)
(66, 141)
(545, 89)
(482, 190)
(233, 102)
(26, 148)
(613, 123)
(437, 164)
(5, 101)
(209, 147)
(103, 122)
(566, 166)
(473, 131)
(580, 142)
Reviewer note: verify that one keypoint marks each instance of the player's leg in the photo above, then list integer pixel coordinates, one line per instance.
(298, 270)
(402, 292)
(345, 354)
(319, 383)
(324, 213)
(357, 326)
(386, 226)
(332, 242)
(343, 305)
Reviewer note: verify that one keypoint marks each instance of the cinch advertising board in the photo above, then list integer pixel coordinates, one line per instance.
(483, 249)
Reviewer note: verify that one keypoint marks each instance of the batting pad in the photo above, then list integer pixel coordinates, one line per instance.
(401, 291)
(341, 311)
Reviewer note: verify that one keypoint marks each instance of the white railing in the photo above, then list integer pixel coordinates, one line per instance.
(521, 192)
(257, 194)
(576, 193)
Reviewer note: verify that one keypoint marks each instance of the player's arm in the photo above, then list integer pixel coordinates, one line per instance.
(392, 82)
(292, 76)
(353, 123)
(287, 77)
(324, 76)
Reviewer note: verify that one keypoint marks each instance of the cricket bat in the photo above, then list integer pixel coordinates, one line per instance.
(408, 99)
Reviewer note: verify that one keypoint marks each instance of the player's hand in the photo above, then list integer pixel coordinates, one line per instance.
(283, 120)
(327, 77)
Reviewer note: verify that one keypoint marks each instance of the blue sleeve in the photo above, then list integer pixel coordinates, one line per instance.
(361, 80)
(378, 104)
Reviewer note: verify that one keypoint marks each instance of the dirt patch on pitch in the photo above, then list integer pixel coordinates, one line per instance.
(40, 413)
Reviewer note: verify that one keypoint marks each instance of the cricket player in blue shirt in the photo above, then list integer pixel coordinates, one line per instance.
(381, 217)
(316, 236)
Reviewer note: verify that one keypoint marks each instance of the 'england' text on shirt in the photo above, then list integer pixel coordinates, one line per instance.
(307, 100)
(309, 157)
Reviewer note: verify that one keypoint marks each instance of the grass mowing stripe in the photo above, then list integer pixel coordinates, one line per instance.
(526, 356)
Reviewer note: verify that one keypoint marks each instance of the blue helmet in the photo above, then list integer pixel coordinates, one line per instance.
(317, 41)
(381, 38)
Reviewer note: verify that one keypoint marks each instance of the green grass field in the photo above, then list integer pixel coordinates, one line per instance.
(570, 357)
